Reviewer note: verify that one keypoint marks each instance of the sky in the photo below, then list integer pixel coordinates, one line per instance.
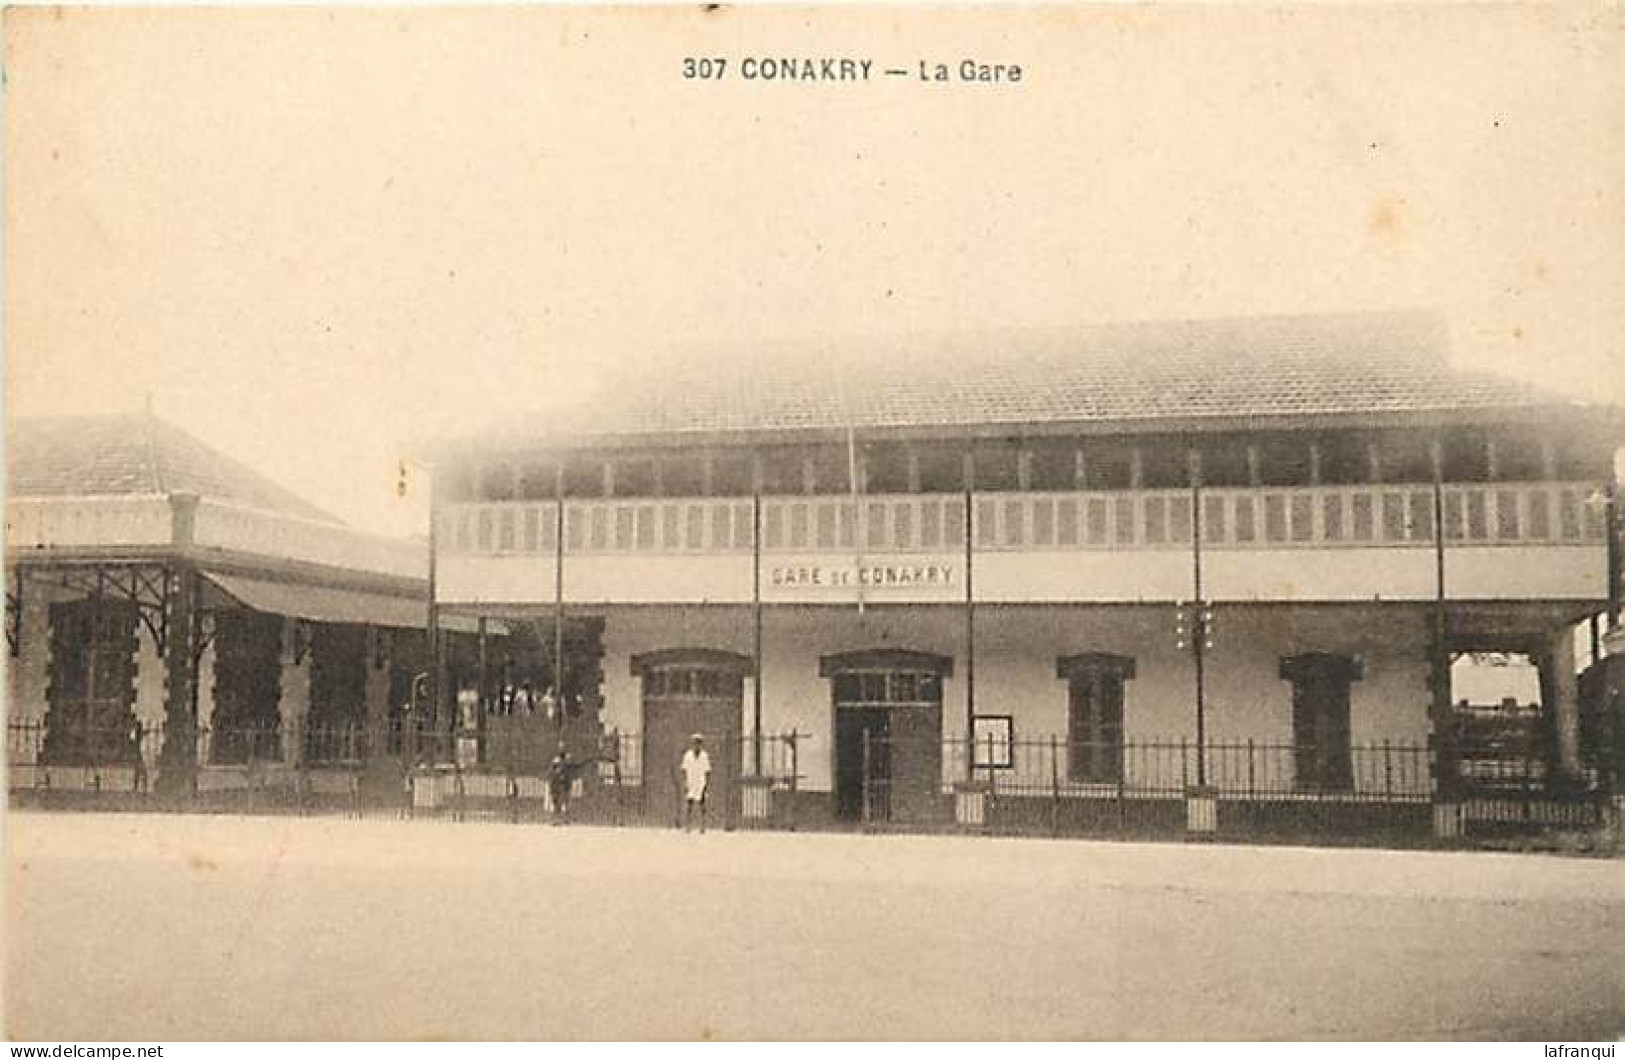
(312, 236)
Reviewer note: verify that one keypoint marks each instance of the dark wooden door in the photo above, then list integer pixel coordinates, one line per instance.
(90, 717)
(1320, 730)
(247, 687)
(677, 703)
(853, 724)
(901, 710)
(1095, 727)
(334, 728)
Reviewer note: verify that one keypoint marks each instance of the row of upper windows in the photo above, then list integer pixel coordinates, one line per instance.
(880, 686)
(1050, 464)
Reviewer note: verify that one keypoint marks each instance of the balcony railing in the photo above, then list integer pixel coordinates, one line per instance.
(1502, 513)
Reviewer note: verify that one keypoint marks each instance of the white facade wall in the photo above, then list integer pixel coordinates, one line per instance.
(1017, 649)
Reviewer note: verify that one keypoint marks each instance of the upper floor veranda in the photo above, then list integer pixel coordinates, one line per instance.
(1317, 457)
(1349, 514)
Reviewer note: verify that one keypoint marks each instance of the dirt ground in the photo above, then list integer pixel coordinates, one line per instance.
(155, 928)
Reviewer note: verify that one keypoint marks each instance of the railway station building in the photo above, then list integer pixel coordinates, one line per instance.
(1200, 569)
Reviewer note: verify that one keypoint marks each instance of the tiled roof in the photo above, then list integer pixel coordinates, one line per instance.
(1252, 368)
(133, 454)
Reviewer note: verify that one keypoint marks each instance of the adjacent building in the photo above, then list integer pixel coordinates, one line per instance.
(176, 621)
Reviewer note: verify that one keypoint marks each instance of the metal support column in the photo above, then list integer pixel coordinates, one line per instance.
(437, 693)
(970, 618)
(1444, 729)
(482, 700)
(558, 591)
(1199, 623)
(756, 618)
(1611, 529)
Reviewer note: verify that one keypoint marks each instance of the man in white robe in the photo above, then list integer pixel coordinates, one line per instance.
(694, 771)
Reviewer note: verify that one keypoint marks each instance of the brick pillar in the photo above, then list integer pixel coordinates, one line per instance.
(177, 762)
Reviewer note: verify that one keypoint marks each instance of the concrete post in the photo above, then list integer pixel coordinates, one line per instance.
(1201, 811)
(1448, 820)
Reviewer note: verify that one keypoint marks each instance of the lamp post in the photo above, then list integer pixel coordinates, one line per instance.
(1611, 527)
(1201, 616)
(968, 471)
(436, 691)
(756, 614)
(558, 591)
(1447, 820)
(1607, 498)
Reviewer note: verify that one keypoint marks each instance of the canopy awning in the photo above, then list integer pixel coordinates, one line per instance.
(319, 603)
(322, 603)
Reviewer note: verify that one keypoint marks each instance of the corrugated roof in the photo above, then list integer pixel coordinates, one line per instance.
(133, 454)
(1225, 369)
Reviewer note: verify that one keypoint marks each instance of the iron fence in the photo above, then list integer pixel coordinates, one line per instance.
(545, 772)
(1056, 766)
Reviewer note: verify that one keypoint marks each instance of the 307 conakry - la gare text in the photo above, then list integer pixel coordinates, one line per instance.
(822, 69)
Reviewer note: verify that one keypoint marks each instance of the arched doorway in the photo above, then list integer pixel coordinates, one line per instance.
(687, 691)
(889, 701)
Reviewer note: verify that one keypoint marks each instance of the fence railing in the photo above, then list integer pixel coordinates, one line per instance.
(527, 748)
(886, 770)
(1233, 768)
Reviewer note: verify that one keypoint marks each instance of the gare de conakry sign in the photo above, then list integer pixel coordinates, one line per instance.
(891, 577)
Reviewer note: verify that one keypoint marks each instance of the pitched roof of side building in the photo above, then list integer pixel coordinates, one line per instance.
(134, 454)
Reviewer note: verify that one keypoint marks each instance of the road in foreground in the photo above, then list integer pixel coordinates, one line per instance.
(159, 928)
